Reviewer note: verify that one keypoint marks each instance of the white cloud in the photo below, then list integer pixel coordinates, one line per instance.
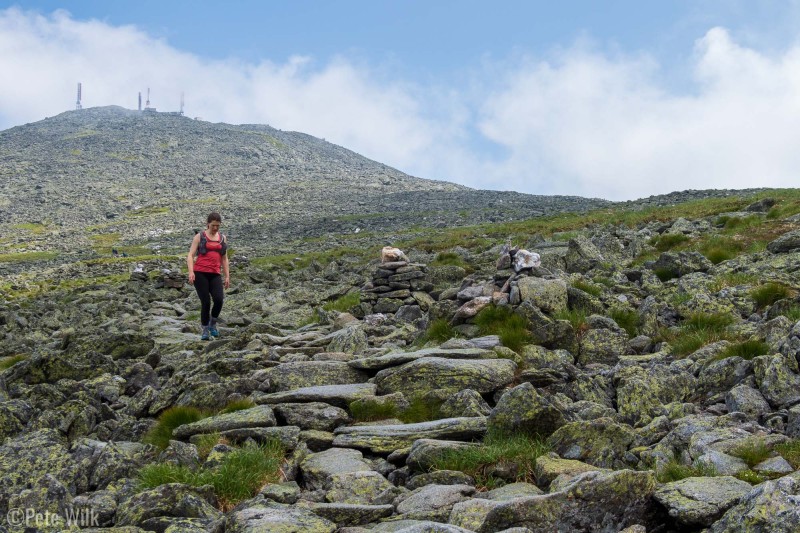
(577, 122)
(596, 126)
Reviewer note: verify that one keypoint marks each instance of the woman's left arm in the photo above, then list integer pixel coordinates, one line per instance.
(226, 271)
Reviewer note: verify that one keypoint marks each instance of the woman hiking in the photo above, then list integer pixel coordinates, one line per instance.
(211, 248)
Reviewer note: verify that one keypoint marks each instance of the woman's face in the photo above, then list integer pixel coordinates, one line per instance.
(213, 226)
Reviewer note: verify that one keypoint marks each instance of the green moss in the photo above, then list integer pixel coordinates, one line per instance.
(769, 293)
(721, 248)
(515, 453)
(731, 279)
(343, 303)
(754, 478)
(716, 322)
(147, 211)
(33, 227)
(239, 476)
(792, 313)
(105, 240)
(206, 442)
(170, 419)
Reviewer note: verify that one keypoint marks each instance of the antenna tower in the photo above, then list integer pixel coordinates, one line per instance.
(146, 105)
(140, 100)
(78, 101)
(181, 103)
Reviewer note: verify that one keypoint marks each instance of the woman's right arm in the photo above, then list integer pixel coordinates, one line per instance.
(190, 257)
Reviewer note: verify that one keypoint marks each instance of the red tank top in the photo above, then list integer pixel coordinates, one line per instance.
(210, 262)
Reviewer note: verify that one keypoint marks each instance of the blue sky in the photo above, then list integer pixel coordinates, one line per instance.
(617, 99)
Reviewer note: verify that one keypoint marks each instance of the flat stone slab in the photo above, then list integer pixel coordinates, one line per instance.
(386, 439)
(452, 375)
(277, 517)
(395, 359)
(319, 468)
(293, 376)
(349, 514)
(259, 416)
(338, 395)
(288, 436)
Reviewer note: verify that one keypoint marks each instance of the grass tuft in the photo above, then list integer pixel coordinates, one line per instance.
(627, 319)
(343, 303)
(587, 287)
(746, 350)
(8, 362)
(752, 451)
(421, 409)
(675, 471)
(732, 279)
(665, 274)
(448, 258)
(576, 317)
(790, 450)
(517, 451)
(501, 321)
(770, 293)
(664, 243)
(238, 405)
(239, 477)
(371, 410)
(170, 419)
(439, 330)
(754, 478)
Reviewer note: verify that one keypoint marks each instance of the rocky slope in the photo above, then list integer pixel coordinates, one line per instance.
(661, 384)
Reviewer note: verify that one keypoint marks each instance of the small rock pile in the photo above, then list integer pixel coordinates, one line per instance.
(398, 287)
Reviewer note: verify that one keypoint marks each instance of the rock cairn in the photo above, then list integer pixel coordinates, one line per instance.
(399, 288)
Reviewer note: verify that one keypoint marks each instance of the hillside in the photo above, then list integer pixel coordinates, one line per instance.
(641, 376)
(86, 180)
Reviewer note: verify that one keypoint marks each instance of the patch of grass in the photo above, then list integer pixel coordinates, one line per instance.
(24, 257)
(160, 434)
(754, 478)
(206, 442)
(752, 451)
(421, 409)
(737, 224)
(147, 211)
(8, 362)
(501, 321)
(240, 475)
(746, 350)
(496, 450)
(576, 317)
(587, 287)
(769, 293)
(720, 248)
(666, 242)
(343, 303)
(698, 330)
(732, 279)
(665, 274)
(790, 450)
(627, 319)
(448, 258)
(675, 471)
(372, 410)
(679, 298)
(238, 405)
(33, 227)
(439, 330)
(105, 240)
(792, 313)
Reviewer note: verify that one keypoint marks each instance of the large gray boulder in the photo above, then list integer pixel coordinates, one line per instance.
(776, 380)
(593, 501)
(429, 373)
(682, 263)
(582, 255)
(312, 415)
(259, 416)
(603, 346)
(365, 487)
(771, 506)
(523, 410)
(338, 395)
(601, 442)
(172, 500)
(700, 501)
(317, 469)
(788, 242)
(291, 376)
(433, 502)
(269, 516)
(643, 393)
(549, 295)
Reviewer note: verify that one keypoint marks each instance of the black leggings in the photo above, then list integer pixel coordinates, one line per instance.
(208, 287)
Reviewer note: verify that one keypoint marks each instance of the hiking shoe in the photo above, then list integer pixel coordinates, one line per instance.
(213, 330)
(205, 335)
